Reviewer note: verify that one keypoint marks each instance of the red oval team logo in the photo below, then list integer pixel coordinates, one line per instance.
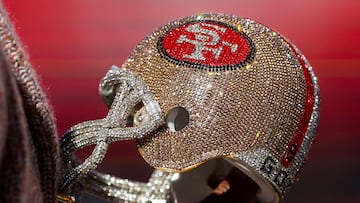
(208, 45)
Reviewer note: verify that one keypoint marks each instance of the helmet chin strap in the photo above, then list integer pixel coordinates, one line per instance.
(122, 91)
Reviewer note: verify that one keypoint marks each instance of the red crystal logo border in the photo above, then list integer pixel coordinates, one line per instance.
(196, 59)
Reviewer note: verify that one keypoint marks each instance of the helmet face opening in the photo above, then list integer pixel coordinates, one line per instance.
(244, 185)
(244, 90)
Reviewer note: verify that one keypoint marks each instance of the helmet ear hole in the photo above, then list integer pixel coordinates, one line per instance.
(177, 118)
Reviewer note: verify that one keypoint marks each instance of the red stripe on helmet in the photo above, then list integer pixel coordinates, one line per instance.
(296, 141)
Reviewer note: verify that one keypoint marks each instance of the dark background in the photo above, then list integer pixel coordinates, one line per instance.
(73, 43)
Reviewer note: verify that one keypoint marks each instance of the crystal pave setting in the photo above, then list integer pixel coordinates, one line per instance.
(207, 44)
(254, 110)
(121, 91)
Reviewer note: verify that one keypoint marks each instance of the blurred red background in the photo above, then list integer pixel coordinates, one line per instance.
(73, 43)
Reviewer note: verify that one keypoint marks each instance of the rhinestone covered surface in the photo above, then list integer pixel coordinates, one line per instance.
(257, 106)
(260, 110)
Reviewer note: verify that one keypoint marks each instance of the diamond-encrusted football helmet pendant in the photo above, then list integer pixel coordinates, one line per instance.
(211, 86)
